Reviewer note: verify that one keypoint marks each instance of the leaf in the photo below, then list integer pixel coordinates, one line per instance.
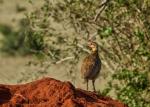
(106, 32)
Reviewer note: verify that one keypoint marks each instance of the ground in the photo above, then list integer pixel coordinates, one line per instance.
(49, 92)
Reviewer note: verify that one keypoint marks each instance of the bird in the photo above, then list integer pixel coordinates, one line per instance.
(91, 65)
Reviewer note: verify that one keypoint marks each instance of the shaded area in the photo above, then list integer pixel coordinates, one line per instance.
(49, 92)
(5, 94)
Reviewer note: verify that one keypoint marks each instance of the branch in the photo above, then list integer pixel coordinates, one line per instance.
(82, 47)
(102, 7)
(64, 59)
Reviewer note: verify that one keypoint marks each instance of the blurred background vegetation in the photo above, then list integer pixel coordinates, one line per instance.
(48, 38)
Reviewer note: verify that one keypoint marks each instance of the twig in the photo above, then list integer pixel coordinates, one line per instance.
(84, 49)
(64, 59)
(102, 7)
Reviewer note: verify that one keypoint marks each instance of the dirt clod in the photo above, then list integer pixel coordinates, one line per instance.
(49, 92)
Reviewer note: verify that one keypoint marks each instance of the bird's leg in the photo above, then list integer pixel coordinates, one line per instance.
(87, 84)
(93, 83)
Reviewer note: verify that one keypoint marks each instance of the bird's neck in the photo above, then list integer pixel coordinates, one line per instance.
(95, 52)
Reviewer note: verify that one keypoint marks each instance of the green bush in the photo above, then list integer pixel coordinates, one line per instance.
(132, 87)
(24, 41)
(12, 41)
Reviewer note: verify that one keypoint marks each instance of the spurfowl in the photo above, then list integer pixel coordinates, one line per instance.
(91, 64)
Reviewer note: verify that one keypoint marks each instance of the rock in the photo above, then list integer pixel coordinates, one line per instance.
(49, 92)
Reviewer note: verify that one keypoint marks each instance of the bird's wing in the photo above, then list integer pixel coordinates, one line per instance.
(87, 66)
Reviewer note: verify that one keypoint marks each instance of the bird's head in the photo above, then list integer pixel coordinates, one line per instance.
(93, 46)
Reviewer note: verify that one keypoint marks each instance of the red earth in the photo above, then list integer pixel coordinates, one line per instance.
(49, 92)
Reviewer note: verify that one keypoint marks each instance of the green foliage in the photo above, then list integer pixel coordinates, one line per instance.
(34, 41)
(106, 32)
(20, 8)
(12, 41)
(5, 29)
(140, 35)
(133, 88)
(134, 79)
(23, 41)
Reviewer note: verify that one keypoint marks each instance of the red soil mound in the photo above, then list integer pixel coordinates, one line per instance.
(49, 92)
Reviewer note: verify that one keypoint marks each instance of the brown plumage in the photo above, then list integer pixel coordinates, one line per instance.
(91, 65)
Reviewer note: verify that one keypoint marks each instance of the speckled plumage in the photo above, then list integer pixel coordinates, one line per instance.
(91, 66)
